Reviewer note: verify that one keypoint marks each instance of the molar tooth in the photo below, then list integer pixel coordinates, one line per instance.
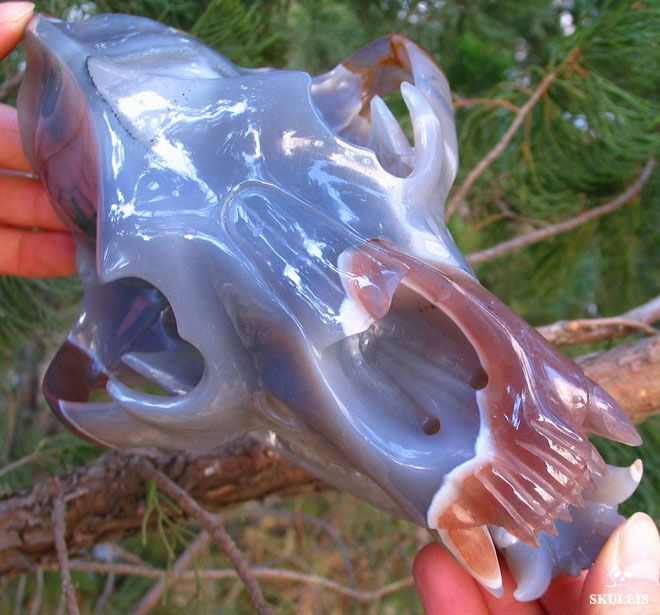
(387, 139)
(617, 485)
(563, 514)
(473, 547)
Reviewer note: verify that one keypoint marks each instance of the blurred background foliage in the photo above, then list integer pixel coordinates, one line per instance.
(586, 139)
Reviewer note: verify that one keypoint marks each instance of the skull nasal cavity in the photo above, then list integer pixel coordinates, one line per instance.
(431, 425)
(479, 379)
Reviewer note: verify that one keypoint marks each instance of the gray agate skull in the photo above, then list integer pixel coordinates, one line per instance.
(262, 253)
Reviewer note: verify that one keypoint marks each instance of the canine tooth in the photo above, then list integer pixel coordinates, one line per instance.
(369, 281)
(473, 547)
(424, 181)
(618, 484)
(387, 139)
(531, 568)
(433, 84)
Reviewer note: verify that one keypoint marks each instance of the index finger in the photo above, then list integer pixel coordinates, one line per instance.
(14, 16)
(12, 155)
(444, 586)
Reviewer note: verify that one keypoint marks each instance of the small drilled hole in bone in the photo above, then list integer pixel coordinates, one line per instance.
(479, 380)
(431, 425)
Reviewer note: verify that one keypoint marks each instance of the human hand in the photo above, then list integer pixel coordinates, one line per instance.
(33, 241)
(623, 579)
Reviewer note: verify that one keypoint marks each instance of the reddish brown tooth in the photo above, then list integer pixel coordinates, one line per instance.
(474, 549)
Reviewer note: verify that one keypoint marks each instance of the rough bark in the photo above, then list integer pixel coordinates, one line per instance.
(589, 330)
(105, 499)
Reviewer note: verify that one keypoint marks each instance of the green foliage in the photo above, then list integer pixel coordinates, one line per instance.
(169, 531)
(587, 138)
(244, 33)
(176, 13)
(33, 309)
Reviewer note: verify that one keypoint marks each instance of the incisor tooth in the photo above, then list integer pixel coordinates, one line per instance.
(424, 181)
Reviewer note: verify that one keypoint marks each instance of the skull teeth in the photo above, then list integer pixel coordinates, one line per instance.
(474, 549)
(387, 139)
(424, 181)
(618, 484)
(530, 567)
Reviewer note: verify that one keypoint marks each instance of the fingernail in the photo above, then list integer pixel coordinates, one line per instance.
(639, 548)
(15, 11)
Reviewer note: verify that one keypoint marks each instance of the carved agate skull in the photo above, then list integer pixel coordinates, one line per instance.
(263, 252)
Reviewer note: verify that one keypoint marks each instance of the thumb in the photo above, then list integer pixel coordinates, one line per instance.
(624, 578)
(13, 19)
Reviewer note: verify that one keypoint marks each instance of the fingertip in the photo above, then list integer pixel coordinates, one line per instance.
(36, 254)
(14, 16)
(443, 585)
(12, 12)
(628, 566)
(564, 593)
(55, 256)
(427, 558)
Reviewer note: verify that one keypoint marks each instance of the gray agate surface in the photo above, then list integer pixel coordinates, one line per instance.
(262, 253)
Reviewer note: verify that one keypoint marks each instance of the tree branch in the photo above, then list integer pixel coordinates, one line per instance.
(213, 526)
(459, 103)
(260, 572)
(59, 530)
(631, 374)
(105, 498)
(551, 230)
(589, 330)
(151, 599)
(501, 145)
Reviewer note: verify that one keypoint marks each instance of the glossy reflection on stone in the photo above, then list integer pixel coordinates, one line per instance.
(262, 253)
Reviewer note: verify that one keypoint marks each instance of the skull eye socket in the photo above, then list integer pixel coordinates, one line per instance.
(137, 345)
